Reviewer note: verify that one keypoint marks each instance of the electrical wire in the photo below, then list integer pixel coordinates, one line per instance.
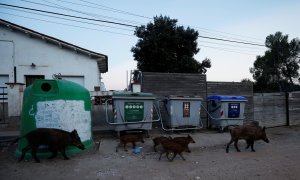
(228, 50)
(84, 22)
(227, 40)
(201, 29)
(66, 24)
(61, 14)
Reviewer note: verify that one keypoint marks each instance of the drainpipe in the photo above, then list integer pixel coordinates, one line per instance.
(13, 57)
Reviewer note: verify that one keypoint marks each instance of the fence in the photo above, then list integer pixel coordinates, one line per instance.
(277, 109)
(3, 104)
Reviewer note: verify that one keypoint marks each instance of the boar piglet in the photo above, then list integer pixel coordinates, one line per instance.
(55, 139)
(248, 133)
(170, 146)
(158, 140)
(130, 138)
(184, 141)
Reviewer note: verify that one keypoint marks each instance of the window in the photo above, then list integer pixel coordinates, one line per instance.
(29, 79)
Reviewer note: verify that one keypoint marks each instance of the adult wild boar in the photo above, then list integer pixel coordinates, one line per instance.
(248, 133)
(55, 139)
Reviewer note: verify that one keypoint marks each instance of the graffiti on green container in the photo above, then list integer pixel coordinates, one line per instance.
(134, 111)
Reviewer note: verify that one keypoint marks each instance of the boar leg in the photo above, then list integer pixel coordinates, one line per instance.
(227, 147)
(162, 152)
(181, 156)
(187, 149)
(24, 150)
(133, 144)
(154, 147)
(33, 153)
(252, 144)
(125, 144)
(236, 145)
(248, 143)
(63, 152)
(117, 147)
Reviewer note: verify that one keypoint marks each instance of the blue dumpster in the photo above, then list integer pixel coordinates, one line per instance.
(226, 110)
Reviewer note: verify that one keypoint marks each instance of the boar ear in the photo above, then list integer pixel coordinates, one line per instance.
(264, 128)
(74, 131)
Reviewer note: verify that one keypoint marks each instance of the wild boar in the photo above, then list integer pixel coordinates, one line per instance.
(248, 133)
(184, 141)
(158, 140)
(54, 139)
(130, 138)
(170, 146)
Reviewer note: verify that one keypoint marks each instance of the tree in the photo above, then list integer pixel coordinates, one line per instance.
(165, 47)
(280, 64)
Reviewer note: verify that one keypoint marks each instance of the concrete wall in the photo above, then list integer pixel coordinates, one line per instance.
(270, 109)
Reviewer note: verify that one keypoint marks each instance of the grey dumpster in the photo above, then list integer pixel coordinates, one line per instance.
(226, 110)
(132, 111)
(183, 112)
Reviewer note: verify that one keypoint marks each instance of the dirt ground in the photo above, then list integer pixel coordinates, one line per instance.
(280, 159)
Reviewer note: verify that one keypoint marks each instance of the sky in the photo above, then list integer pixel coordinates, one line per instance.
(247, 21)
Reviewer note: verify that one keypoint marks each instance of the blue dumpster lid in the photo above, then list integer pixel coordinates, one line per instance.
(226, 98)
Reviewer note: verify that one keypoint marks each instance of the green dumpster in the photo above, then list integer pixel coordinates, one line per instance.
(56, 104)
(133, 111)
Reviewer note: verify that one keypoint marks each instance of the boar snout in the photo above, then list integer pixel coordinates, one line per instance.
(80, 146)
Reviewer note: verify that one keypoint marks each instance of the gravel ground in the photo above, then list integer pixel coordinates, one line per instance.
(280, 159)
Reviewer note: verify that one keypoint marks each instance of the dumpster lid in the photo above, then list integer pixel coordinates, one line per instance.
(226, 98)
(131, 95)
(176, 97)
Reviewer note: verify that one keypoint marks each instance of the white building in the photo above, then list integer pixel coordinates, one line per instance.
(26, 55)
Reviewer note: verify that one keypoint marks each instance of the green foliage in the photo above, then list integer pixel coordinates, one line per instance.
(165, 47)
(277, 69)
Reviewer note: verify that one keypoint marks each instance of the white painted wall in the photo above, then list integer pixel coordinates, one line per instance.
(20, 50)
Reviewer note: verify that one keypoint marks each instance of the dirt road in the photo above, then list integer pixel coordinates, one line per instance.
(280, 159)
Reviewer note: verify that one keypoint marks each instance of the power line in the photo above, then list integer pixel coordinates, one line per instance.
(66, 15)
(233, 45)
(227, 40)
(117, 10)
(228, 50)
(67, 24)
(57, 6)
(133, 14)
(84, 22)
(49, 12)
